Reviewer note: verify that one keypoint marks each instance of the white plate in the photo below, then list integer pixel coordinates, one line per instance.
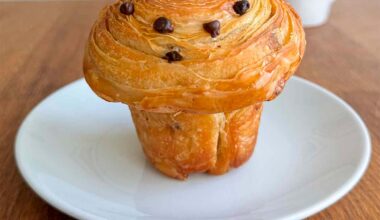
(82, 156)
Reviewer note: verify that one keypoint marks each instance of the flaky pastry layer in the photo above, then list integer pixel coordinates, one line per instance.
(179, 144)
(248, 63)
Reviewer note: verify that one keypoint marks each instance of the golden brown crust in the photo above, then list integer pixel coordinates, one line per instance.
(240, 67)
(178, 144)
(237, 138)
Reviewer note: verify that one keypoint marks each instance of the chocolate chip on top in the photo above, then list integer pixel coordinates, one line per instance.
(163, 25)
(213, 28)
(241, 7)
(127, 8)
(173, 56)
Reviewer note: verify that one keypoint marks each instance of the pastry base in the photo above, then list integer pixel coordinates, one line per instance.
(178, 144)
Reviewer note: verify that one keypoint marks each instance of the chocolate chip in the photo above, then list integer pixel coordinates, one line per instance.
(176, 126)
(127, 8)
(173, 56)
(213, 28)
(241, 7)
(163, 25)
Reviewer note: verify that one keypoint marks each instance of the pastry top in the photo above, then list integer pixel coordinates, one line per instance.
(201, 56)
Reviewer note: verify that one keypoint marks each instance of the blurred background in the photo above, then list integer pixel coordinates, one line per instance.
(41, 49)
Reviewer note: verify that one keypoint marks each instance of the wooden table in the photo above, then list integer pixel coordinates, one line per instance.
(41, 47)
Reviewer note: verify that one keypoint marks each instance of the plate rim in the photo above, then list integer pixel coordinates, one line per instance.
(329, 200)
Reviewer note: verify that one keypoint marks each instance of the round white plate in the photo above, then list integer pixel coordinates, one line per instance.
(82, 156)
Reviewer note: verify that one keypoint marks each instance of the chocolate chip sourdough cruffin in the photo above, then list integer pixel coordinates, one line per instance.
(194, 74)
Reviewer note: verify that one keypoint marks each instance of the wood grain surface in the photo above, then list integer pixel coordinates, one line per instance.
(41, 48)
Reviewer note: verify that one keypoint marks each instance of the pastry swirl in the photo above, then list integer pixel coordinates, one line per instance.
(247, 63)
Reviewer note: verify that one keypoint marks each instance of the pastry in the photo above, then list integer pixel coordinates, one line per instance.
(194, 74)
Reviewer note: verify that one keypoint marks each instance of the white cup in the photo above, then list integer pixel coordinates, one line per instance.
(313, 12)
